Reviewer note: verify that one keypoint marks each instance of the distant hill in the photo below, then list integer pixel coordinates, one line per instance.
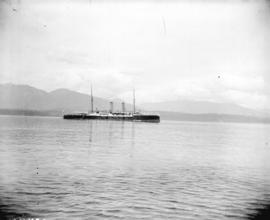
(25, 97)
(201, 107)
(27, 100)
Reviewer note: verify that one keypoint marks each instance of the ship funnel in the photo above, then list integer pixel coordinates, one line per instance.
(92, 100)
(134, 108)
(123, 107)
(111, 107)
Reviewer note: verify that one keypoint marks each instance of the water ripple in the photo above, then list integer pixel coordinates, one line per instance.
(59, 169)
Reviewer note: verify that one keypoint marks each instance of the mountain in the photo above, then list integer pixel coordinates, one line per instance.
(201, 107)
(27, 100)
(25, 97)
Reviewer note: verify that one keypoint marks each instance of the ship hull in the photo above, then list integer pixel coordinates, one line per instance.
(135, 117)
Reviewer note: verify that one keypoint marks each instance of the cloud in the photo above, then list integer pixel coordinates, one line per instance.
(228, 88)
(123, 45)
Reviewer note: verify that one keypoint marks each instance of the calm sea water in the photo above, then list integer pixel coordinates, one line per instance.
(59, 169)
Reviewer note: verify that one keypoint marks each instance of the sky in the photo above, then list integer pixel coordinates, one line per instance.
(167, 50)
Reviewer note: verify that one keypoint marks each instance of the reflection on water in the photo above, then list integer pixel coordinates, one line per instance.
(57, 169)
(90, 131)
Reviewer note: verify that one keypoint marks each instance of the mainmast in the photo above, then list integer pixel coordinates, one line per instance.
(92, 100)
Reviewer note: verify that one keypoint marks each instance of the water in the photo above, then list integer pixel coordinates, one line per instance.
(60, 169)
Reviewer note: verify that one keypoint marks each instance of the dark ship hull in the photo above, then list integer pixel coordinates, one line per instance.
(111, 115)
(114, 116)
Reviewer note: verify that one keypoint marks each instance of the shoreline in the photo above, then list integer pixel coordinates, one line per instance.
(170, 116)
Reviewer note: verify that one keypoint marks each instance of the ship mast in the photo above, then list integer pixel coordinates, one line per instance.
(134, 108)
(92, 100)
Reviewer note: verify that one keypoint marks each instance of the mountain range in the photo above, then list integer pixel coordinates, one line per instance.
(202, 107)
(27, 98)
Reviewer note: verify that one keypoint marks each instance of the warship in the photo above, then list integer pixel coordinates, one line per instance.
(111, 115)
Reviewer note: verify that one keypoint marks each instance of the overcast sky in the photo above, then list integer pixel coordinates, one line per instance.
(168, 50)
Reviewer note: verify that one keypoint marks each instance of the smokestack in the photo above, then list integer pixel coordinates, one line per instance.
(134, 108)
(92, 100)
(111, 107)
(123, 107)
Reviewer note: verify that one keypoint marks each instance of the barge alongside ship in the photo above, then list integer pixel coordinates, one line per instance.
(124, 116)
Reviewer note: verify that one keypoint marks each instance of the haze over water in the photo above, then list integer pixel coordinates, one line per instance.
(59, 169)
